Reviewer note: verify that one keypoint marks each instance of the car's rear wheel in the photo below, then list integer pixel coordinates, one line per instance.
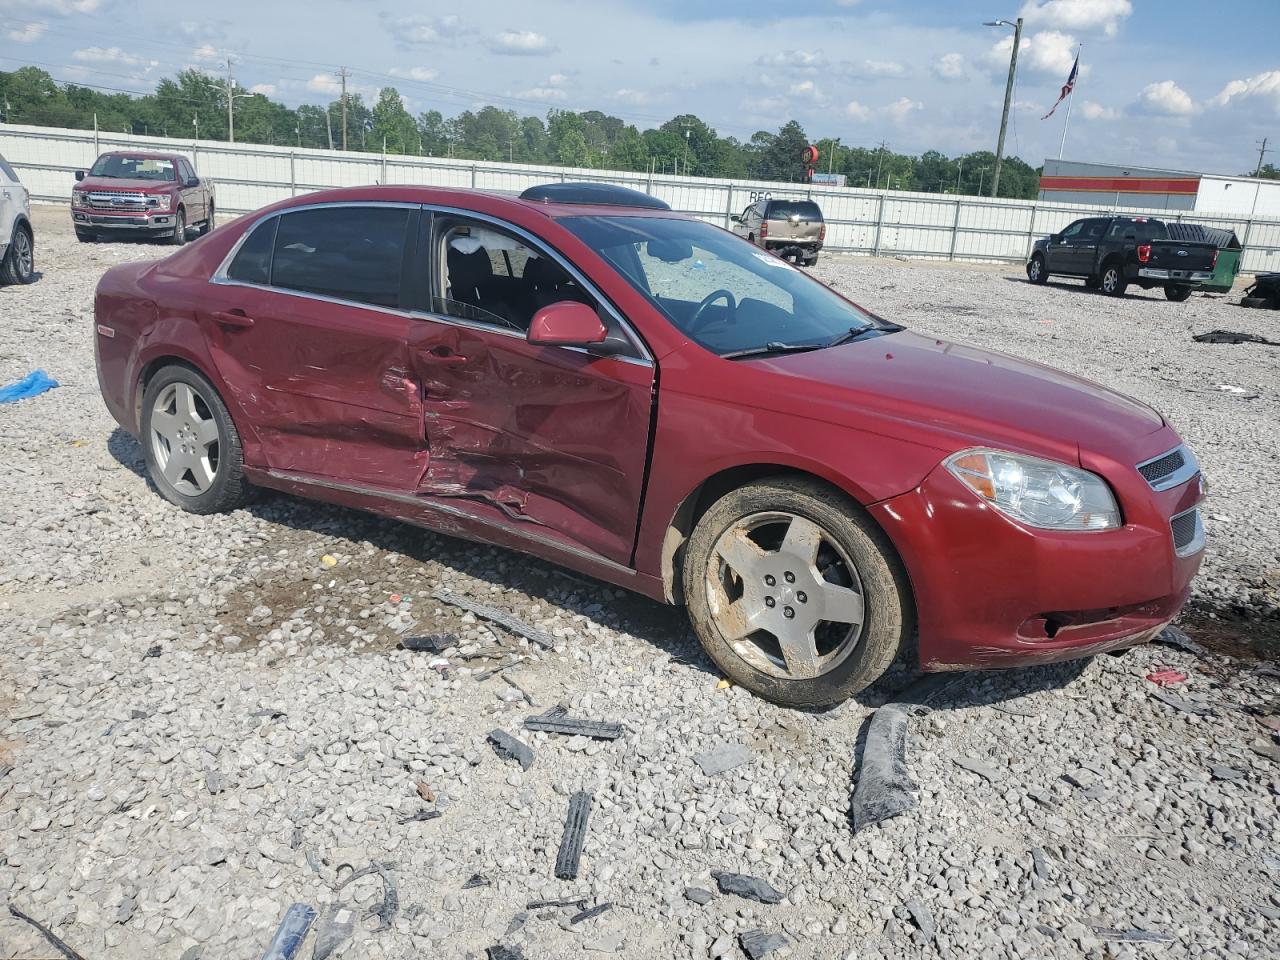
(179, 236)
(191, 444)
(208, 224)
(794, 593)
(1113, 281)
(1177, 292)
(19, 264)
(1036, 272)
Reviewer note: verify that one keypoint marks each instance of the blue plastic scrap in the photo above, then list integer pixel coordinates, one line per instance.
(32, 385)
(292, 931)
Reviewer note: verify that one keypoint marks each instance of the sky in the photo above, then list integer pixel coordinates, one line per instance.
(1181, 84)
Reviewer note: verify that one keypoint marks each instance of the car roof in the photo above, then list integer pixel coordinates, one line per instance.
(140, 154)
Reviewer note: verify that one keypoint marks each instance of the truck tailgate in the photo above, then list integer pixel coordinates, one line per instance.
(1181, 257)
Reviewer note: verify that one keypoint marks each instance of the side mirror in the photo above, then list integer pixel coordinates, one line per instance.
(79, 174)
(566, 324)
(193, 181)
(735, 218)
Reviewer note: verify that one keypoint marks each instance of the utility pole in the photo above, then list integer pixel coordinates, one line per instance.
(1261, 153)
(1008, 96)
(231, 104)
(959, 171)
(342, 73)
(880, 162)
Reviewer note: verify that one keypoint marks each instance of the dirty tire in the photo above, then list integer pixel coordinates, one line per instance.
(228, 488)
(1112, 280)
(19, 262)
(1260, 303)
(1177, 292)
(889, 614)
(209, 223)
(1036, 271)
(179, 236)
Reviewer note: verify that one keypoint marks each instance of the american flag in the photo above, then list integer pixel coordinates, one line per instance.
(1066, 87)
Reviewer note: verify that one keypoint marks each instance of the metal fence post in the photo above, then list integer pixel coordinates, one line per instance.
(293, 176)
(1031, 233)
(955, 232)
(473, 176)
(728, 206)
(875, 250)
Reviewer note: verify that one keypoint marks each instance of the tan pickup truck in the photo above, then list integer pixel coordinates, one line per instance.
(788, 228)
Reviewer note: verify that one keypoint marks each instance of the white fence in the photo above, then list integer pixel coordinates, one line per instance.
(877, 222)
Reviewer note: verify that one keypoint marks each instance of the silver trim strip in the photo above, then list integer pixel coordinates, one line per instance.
(1196, 543)
(1158, 273)
(1190, 467)
(447, 510)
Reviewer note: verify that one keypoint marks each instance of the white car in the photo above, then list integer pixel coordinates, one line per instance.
(17, 241)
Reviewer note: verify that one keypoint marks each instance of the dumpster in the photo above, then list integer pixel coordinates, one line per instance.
(1224, 273)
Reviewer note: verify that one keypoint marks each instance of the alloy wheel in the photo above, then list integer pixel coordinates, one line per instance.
(1035, 269)
(24, 258)
(184, 439)
(1109, 280)
(785, 595)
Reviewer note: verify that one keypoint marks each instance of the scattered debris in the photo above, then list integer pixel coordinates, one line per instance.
(757, 943)
(983, 770)
(1173, 637)
(1219, 772)
(1237, 391)
(152, 652)
(425, 792)
(593, 912)
(1181, 703)
(295, 839)
(511, 748)
(476, 880)
(430, 642)
(922, 917)
(698, 895)
(387, 908)
(1131, 935)
(32, 385)
(329, 560)
(500, 617)
(722, 758)
(1166, 677)
(48, 934)
(724, 684)
(501, 952)
(884, 788)
(516, 923)
(313, 861)
(1230, 336)
(575, 832)
(579, 904)
(420, 816)
(335, 927)
(515, 684)
(271, 713)
(289, 935)
(395, 598)
(750, 888)
(557, 720)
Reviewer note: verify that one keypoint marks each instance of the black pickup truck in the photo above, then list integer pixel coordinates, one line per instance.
(1113, 252)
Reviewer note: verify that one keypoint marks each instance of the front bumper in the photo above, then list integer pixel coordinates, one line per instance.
(991, 592)
(1185, 276)
(157, 223)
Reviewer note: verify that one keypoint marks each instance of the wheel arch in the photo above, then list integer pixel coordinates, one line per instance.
(21, 222)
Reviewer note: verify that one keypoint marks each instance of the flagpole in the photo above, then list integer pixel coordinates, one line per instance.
(1071, 99)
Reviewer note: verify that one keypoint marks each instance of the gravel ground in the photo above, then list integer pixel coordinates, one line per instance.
(203, 719)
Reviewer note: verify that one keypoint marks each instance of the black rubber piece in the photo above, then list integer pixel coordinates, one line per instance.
(430, 643)
(510, 748)
(580, 903)
(575, 832)
(48, 934)
(750, 888)
(557, 720)
(421, 815)
(476, 880)
(593, 912)
(757, 943)
(502, 952)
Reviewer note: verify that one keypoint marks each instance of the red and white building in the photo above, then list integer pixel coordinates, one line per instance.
(1066, 181)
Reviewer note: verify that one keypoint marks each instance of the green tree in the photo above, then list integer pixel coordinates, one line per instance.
(391, 124)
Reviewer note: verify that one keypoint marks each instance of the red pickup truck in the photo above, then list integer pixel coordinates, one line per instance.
(144, 194)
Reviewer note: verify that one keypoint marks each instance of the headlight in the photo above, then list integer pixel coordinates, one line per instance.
(159, 203)
(1039, 493)
(79, 198)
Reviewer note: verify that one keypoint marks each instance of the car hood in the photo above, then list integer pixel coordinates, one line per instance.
(981, 396)
(116, 183)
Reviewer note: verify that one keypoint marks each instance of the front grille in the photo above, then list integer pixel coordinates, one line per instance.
(120, 200)
(1188, 535)
(1156, 470)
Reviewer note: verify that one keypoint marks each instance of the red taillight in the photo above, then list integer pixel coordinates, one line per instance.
(1144, 252)
(764, 230)
(822, 233)
(1214, 262)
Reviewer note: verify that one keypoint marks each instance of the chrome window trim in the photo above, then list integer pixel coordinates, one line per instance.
(303, 295)
(1190, 467)
(645, 356)
(1196, 544)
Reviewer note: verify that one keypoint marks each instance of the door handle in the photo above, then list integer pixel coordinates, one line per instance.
(444, 355)
(233, 318)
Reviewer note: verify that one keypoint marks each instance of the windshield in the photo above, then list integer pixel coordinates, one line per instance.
(114, 167)
(721, 291)
(786, 209)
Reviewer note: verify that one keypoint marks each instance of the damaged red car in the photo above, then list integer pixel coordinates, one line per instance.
(581, 374)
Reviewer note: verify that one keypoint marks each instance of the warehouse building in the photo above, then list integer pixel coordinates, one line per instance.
(1066, 181)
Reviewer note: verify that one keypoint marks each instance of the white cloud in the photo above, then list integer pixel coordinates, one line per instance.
(325, 83)
(794, 59)
(206, 52)
(60, 8)
(421, 74)
(807, 90)
(557, 79)
(883, 68)
(266, 89)
(1265, 86)
(949, 66)
(28, 33)
(543, 93)
(525, 43)
(857, 111)
(1048, 51)
(636, 98)
(112, 55)
(1096, 111)
(1104, 15)
(902, 108)
(1166, 98)
(427, 29)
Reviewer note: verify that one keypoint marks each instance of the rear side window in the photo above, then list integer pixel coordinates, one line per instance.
(8, 171)
(351, 253)
(786, 209)
(253, 261)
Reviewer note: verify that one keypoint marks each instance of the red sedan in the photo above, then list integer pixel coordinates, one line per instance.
(581, 374)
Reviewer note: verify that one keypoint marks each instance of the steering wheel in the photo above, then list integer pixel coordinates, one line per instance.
(709, 299)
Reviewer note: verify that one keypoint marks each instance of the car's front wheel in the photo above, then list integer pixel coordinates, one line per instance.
(191, 444)
(1112, 280)
(1036, 272)
(179, 235)
(796, 594)
(19, 265)
(1177, 292)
